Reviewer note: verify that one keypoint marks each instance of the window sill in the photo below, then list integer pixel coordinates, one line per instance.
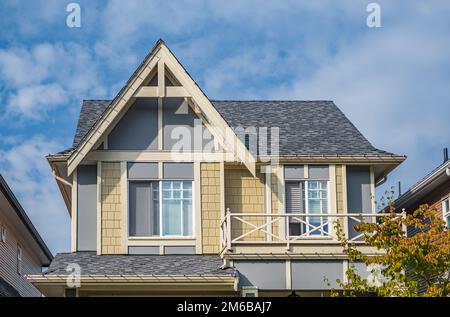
(162, 238)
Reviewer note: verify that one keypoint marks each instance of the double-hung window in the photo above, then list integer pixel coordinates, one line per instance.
(308, 197)
(306, 189)
(160, 208)
(177, 208)
(446, 211)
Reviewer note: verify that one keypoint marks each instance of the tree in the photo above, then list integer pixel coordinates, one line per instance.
(405, 265)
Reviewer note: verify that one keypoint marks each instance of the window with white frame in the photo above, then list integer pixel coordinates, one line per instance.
(160, 208)
(308, 197)
(19, 260)
(3, 233)
(446, 211)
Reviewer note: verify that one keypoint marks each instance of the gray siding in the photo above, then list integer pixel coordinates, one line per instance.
(178, 171)
(309, 275)
(294, 172)
(176, 116)
(269, 275)
(358, 193)
(143, 171)
(151, 250)
(179, 249)
(8, 261)
(138, 128)
(318, 172)
(87, 208)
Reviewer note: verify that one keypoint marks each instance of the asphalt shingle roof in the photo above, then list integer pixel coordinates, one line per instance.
(305, 127)
(90, 113)
(179, 265)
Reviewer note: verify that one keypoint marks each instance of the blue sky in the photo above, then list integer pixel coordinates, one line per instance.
(393, 82)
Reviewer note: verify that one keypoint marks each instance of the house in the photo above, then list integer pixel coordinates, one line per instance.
(22, 250)
(172, 193)
(433, 190)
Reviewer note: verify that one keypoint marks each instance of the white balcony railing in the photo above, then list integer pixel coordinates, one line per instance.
(289, 228)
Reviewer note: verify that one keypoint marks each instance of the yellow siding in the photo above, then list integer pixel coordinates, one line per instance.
(339, 189)
(111, 209)
(210, 205)
(275, 200)
(245, 194)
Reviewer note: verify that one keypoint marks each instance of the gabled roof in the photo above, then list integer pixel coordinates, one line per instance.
(156, 265)
(306, 127)
(21, 214)
(160, 58)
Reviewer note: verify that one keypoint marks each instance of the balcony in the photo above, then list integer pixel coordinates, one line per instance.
(290, 233)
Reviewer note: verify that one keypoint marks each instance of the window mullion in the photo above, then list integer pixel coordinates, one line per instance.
(181, 209)
(307, 204)
(160, 209)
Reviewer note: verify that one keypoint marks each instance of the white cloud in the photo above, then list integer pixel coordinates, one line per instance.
(47, 76)
(393, 84)
(33, 101)
(28, 174)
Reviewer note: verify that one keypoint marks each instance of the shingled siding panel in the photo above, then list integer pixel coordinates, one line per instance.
(210, 206)
(339, 189)
(275, 200)
(111, 209)
(244, 193)
(8, 263)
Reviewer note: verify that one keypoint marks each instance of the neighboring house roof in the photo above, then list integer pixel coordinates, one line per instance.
(7, 192)
(306, 127)
(155, 265)
(426, 185)
(7, 290)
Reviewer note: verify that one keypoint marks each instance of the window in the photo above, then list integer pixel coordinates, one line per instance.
(70, 292)
(308, 197)
(161, 208)
(3, 233)
(249, 291)
(247, 141)
(19, 260)
(446, 211)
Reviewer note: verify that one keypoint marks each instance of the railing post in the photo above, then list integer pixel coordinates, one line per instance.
(228, 221)
(404, 227)
(288, 245)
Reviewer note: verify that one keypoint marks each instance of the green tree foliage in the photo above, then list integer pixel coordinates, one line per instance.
(402, 265)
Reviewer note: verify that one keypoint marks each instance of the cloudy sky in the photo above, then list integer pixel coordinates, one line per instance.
(393, 82)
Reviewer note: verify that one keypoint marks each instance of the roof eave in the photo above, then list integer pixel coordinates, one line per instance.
(25, 219)
(419, 187)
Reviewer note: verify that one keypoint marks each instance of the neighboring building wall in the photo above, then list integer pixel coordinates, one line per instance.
(244, 193)
(111, 233)
(210, 206)
(434, 200)
(8, 262)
